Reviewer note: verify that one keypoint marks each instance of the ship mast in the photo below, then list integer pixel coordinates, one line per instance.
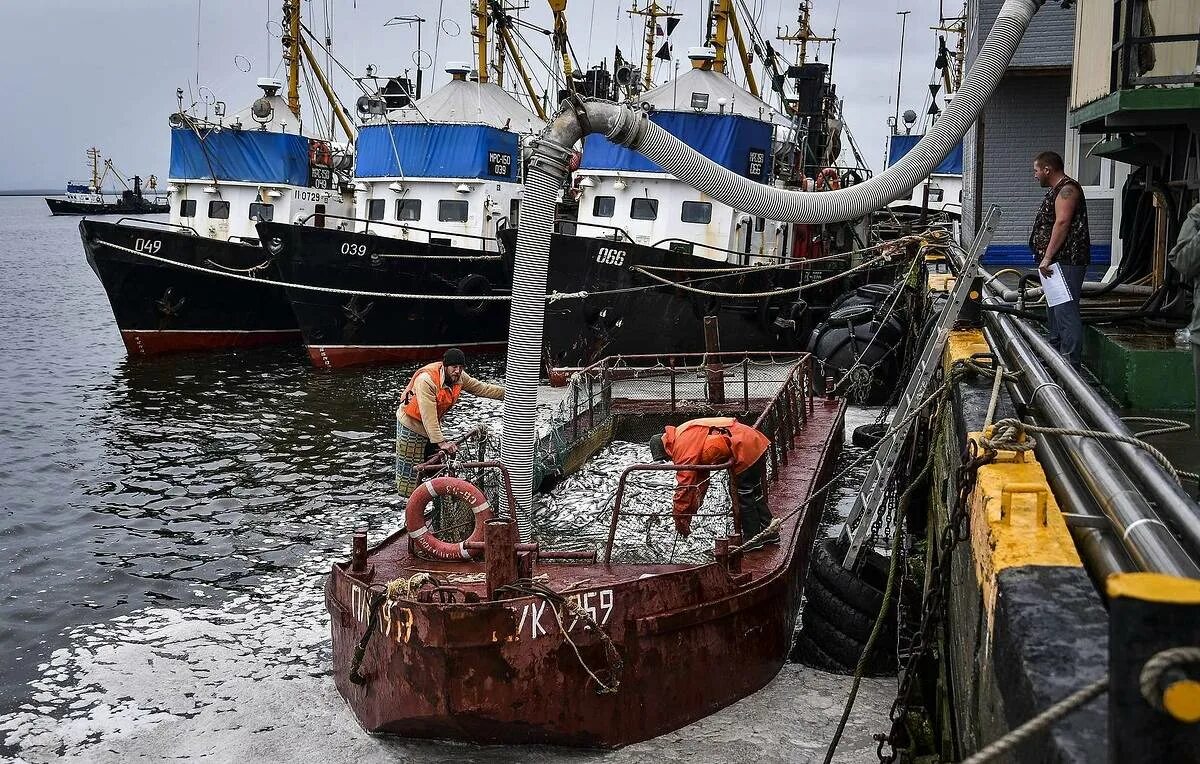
(653, 12)
(726, 21)
(804, 33)
(503, 23)
(93, 154)
(291, 52)
(480, 33)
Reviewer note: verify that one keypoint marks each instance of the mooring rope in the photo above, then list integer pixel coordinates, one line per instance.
(1040, 723)
(772, 293)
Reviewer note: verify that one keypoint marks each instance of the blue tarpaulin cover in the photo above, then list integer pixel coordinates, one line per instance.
(257, 156)
(737, 143)
(902, 144)
(436, 151)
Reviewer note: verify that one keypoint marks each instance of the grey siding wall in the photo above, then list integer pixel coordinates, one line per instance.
(1049, 42)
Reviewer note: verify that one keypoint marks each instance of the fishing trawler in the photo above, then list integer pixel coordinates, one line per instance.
(434, 182)
(200, 280)
(436, 179)
(88, 199)
(495, 641)
(648, 250)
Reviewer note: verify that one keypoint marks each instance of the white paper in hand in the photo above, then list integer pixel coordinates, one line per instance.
(1054, 287)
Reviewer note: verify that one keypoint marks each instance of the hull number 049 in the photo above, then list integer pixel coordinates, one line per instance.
(150, 246)
(610, 256)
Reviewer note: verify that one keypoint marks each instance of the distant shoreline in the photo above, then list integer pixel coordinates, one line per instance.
(34, 192)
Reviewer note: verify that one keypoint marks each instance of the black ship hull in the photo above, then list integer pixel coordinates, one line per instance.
(123, 207)
(163, 308)
(341, 329)
(627, 312)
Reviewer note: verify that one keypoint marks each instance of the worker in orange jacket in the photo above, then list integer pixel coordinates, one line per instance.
(432, 391)
(711, 441)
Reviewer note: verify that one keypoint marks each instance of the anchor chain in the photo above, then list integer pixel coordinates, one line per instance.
(933, 608)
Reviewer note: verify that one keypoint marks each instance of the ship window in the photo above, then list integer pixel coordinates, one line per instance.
(408, 209)
(218, 210)
(643, 209)
(696, 212)
(936, 194)
(514, 212)
(263, 212)
(452, 211)
(604, 206)
(375, 208)
(187, 208)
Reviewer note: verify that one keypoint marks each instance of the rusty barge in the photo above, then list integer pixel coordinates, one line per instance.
(523, 645)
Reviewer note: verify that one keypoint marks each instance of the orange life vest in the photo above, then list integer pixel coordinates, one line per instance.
(446, 396)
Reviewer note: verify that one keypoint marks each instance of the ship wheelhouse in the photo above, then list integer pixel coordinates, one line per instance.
(445, 170)
(224, 178)
(623, 195)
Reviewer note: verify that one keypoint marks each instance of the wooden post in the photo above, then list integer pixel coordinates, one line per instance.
(716, 377)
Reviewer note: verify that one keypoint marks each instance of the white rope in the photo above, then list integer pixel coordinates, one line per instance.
(333, 290)
(774, 293)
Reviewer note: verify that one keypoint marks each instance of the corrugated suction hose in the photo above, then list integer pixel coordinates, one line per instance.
(625, 126)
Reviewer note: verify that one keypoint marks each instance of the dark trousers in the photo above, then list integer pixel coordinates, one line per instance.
(1063, 324)
(1196, 374)
(752, 498)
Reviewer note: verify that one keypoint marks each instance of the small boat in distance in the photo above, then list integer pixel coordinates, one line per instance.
(89, 199)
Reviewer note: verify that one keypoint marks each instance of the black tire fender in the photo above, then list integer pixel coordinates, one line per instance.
(472, 285)
(849, 588)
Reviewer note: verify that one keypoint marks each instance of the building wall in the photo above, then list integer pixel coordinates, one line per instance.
(1026, 115)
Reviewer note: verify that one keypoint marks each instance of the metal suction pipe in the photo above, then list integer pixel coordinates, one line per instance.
(1149, 543)
(1174, 503)
(548, 168)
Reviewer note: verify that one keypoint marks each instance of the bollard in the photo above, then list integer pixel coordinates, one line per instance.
(500, 555)
(1154, 674)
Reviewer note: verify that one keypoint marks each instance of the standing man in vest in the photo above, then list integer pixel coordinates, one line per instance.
(1185, 258)
(433, 389)
(1060, 235)
(711, 441)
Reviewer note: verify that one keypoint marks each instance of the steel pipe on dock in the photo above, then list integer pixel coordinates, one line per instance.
(1147, 540)
(1173, 502)
(1102, 553)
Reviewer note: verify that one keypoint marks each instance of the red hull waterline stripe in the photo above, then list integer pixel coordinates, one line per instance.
(339, 356)
(155, 341)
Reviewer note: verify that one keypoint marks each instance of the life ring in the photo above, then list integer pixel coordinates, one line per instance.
(473, 285)
(414, 516)
(831, 179)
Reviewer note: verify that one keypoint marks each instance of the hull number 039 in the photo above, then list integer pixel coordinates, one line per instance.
(151, 246)
(354, 250)
(610, 256)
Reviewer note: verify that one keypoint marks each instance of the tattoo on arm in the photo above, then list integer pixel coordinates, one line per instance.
(1068, 192)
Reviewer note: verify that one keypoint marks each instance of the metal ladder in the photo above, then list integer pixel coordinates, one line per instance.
(869, 501)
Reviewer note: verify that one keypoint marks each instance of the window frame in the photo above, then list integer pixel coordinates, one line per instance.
(653, 203)
(372, 206)
(612, 206)
(442, 205)
(212, 202)
(262, 205)
(685, 206)
(400, 203)
(183, 204)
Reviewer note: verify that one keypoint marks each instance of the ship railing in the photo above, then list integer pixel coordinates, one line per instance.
(569, 227)
(787, 413)
(740, 253)
(617, 513)
(159, 223)
(403, 226)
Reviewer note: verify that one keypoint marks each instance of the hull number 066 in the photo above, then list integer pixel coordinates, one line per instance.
(610, 256)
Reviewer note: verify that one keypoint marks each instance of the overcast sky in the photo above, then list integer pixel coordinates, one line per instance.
(76, 73)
